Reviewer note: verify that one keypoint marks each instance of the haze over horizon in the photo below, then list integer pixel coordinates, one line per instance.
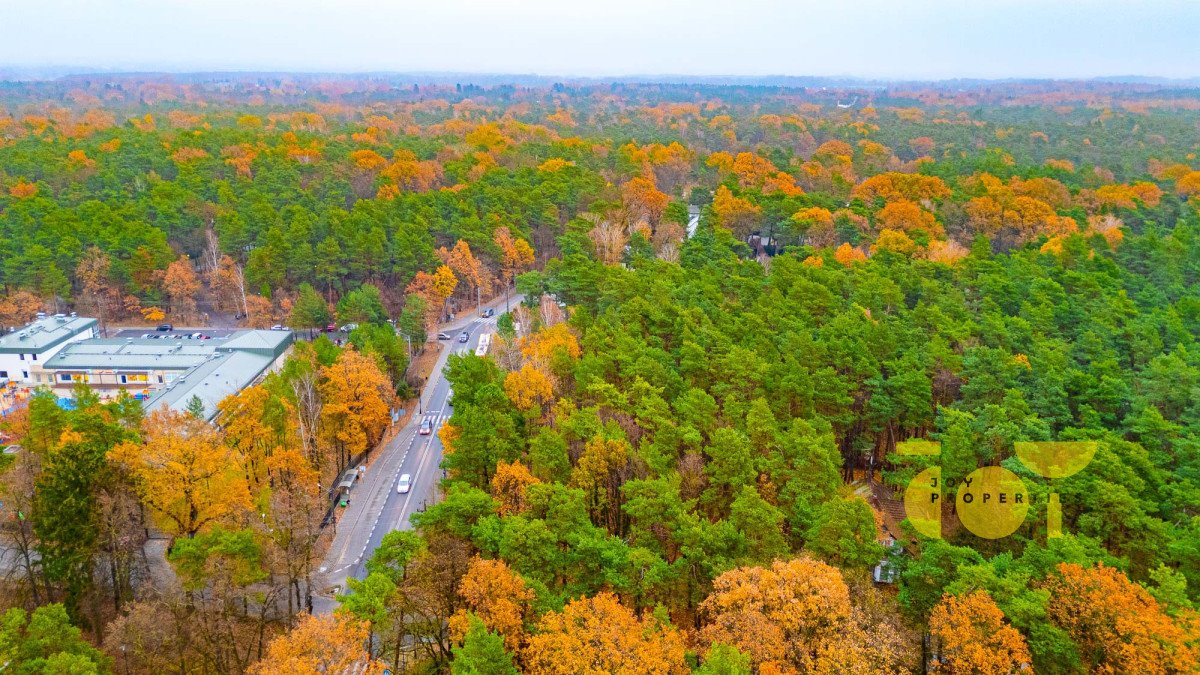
(872, 39)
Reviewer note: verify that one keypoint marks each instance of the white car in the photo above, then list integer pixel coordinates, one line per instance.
(404, 484)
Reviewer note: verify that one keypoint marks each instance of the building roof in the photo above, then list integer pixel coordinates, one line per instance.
(44, 334)
(225, 374)
(209, 369)
(270, 342)
(130, 354)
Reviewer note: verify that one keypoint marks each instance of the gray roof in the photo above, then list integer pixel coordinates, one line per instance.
(225, 374)
(132, 354)
(272, 342)
(210, 369)
(44, 334)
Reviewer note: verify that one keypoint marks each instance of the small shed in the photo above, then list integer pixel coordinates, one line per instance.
(347, 482)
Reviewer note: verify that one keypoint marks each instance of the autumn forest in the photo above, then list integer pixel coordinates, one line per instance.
(733, 308)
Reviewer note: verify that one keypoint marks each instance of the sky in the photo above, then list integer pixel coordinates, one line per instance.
(897, 39)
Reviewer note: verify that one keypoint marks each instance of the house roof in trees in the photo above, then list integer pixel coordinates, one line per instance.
(44, 334)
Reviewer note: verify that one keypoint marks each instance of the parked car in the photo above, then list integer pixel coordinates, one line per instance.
(443, 336)
(404, 484)
(197, 336)
(349, 327)
(450, 398)
(488, 313)
(331, 328)
(426, 427)
(464, 336)
(166, 327)
(277, 327)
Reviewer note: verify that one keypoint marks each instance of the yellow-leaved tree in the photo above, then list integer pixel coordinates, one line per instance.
(187, 477)
(597, 636)
(528, 387)
(358, 399)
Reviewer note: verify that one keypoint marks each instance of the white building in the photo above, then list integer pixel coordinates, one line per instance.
(25, 349)
(168, 368)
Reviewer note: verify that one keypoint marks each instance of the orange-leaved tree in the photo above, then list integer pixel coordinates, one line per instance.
(1118, 625)
(320, 645)
(181, 285)
(795, 615)
(467, 268)
(599, 635)
(516, 255)
(509, 485)
(738, 215)
(499, 597)
(434, 289)
(974, 638)
(642, 201)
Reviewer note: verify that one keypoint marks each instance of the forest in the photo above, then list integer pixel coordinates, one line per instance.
(684, 451)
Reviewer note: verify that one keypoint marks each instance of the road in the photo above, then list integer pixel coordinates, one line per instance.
(375, 507)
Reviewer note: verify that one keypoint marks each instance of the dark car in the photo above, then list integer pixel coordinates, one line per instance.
(488, 313)
(163, 328)
(464, 336)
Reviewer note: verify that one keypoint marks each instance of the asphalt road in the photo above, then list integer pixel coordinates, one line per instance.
(375, 507)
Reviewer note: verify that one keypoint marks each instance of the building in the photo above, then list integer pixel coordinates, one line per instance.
(167, 369)
(25, 349)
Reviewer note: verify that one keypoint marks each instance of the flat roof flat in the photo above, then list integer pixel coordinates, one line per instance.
(164, 353)
(210, 369)
(44, 334)
(133, 354)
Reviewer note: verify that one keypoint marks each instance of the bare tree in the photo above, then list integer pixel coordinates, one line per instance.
(20, 561)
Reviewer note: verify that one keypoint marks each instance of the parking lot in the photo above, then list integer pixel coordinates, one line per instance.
(179, 334)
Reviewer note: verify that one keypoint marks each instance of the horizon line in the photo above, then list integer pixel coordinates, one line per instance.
(49, 72)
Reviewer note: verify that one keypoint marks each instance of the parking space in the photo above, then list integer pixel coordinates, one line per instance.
(178, 334)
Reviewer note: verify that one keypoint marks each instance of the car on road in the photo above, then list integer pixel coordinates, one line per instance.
(404, 484)
(277, 327)
(166, 327)
(450, 397)
(464, 336)
(443, 336)
(488, 313)
(426, 427)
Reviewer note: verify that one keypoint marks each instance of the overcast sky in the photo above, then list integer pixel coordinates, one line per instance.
(866, 38)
